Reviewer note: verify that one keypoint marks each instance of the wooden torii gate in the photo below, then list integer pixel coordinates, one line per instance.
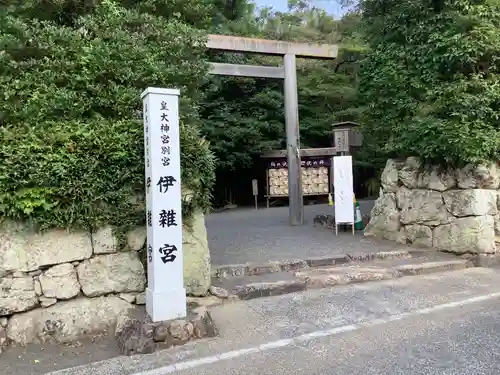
(288, 72)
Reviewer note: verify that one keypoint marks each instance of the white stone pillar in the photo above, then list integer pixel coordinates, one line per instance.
(165, 293)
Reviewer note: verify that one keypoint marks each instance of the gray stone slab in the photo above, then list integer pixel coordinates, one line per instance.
(233, 282)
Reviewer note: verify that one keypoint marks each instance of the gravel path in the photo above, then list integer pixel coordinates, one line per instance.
(246, 235)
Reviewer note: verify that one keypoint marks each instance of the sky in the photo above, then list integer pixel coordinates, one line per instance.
(331, 6)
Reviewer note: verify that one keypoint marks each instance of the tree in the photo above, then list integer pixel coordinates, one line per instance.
(244, 117)
(431, 83)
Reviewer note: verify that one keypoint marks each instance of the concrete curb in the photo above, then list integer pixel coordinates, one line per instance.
(486, 260)
(307, 280)
(430, 267)
(257, 290)
(252, 269)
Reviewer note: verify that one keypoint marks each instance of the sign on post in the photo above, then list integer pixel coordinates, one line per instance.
(344, 194)
(165, 293)
(255, 191)
(341, 140)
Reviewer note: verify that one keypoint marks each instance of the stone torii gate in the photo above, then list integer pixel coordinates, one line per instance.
(288, 72)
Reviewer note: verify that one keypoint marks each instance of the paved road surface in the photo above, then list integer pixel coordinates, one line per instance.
(461, 341)
(246, 235)
(445, 323)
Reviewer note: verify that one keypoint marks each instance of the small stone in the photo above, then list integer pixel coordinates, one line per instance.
(136, 238)
(420, 206)
(419, 235)
(483, 176)
(104, 241)
(189, 328)
(471, 202)
(66, 321)
(199, 322)
(37, 286)
(200, 312)
(112, 273)
(408, 174)
(204, 301)
(199, 330)
(3, 340)
(178, 329)
(4, 322)
(436, 178)
(385, 218)
(134, 337)
(140, 299)
(129, 297)
(46, 302)
(19, 274)
(161, 332)
(35, 273)
(172, 341)
(219, 292)
(29, 250)
(209, 325)
(17, 294)
(60, 282)
(75, 264)
(224, 272)
(472, 234)
(390, 177)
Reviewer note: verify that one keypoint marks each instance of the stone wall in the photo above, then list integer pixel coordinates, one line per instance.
(61, 285)
(454, 210)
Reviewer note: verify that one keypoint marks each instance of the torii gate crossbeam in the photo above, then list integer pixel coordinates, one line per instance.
(288, 72)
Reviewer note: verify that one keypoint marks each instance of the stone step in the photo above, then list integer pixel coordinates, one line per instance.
(283, 282)
(253, 269)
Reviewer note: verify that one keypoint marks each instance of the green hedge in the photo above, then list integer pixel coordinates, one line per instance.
(432, 80)
(71, 132)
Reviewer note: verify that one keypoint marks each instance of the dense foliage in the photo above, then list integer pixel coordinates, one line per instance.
(70, 122)
(431, 83)
(244, 116)
(71, 73)
(70, 117)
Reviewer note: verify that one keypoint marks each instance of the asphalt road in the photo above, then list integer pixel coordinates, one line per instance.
(445, 323)
(458, 341)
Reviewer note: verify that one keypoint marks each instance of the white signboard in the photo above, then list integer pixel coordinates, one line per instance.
(343, 187)
(165, 293)
(255, 191)
(255, 187)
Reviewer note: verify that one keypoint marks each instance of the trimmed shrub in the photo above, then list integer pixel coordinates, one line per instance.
(431, 83)
(71, 132)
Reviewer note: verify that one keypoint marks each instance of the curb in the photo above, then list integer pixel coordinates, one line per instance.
(252, 269)
(486, 260)
(257, 290)
(430, 267)
(354, 276)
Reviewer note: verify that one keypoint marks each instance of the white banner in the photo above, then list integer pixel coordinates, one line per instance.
(165, 293)
(343, 188)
